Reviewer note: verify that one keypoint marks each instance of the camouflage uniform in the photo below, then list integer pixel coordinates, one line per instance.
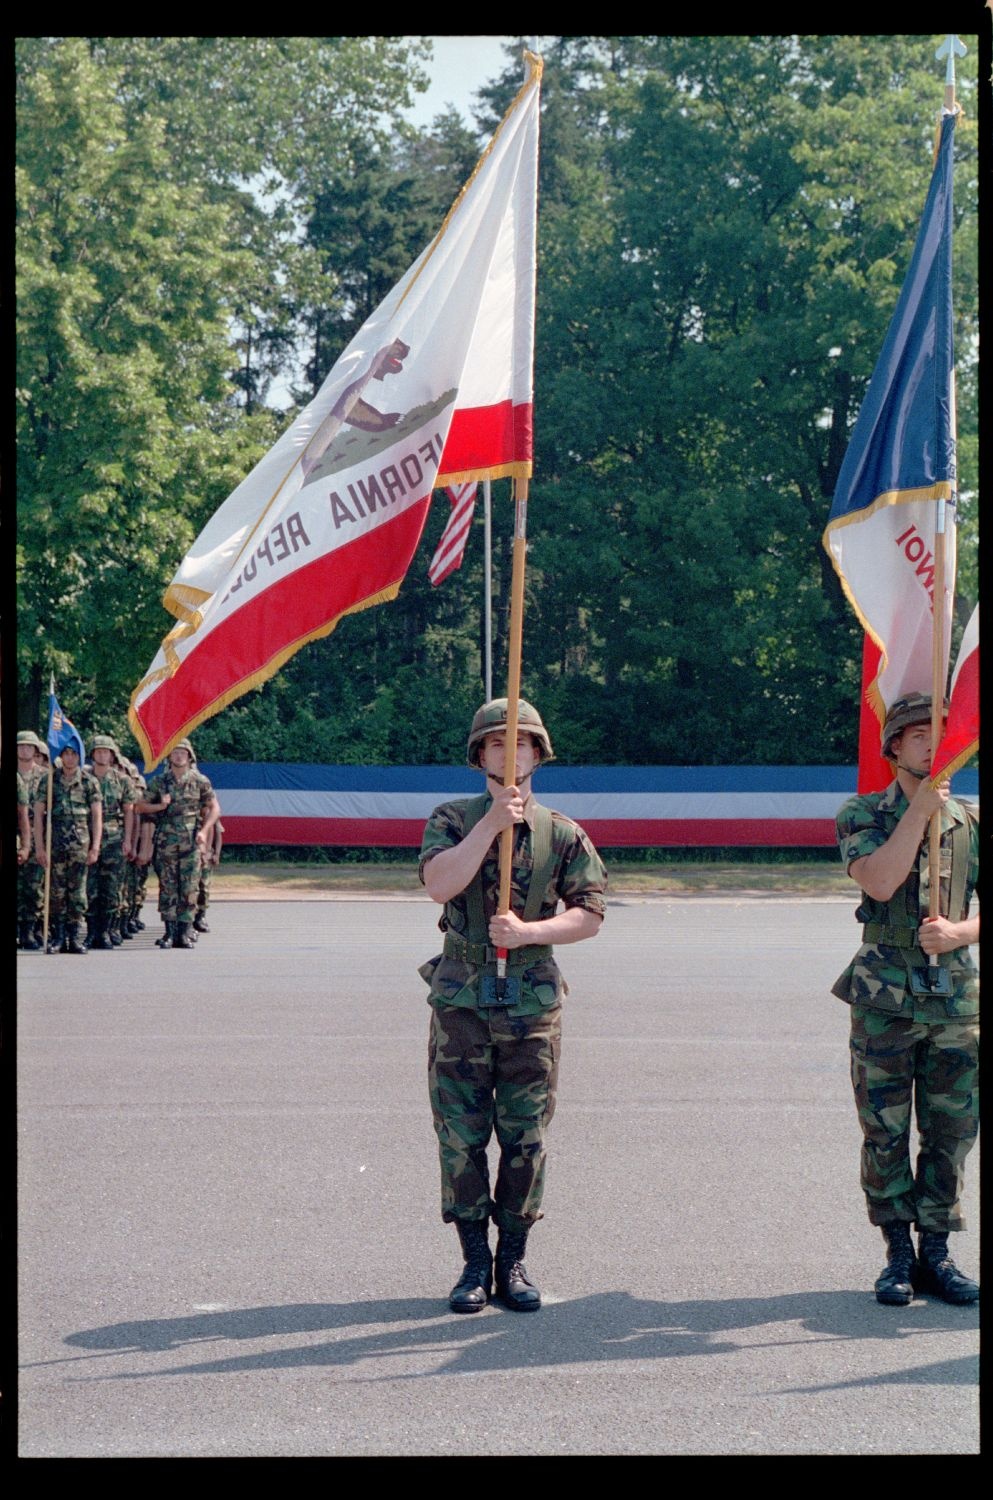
(31, 875)
(177, 854)
(135, 874)
(497, 1066)
(105, 879)
(905, 1045)
(71, 804)
(203, 889)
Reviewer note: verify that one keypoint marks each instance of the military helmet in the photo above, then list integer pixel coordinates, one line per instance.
(912, 708)
(105, 742)
(28, 737)
(185, 745)
(493, 716)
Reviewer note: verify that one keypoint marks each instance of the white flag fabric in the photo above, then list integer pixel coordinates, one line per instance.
(435, 388)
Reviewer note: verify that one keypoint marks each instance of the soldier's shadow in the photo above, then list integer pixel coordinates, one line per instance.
(587, 1330)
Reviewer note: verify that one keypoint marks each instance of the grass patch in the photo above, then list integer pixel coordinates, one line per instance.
(631, 877)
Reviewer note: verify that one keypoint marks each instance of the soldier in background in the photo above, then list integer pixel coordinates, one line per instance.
(35, 875)
(183, 804)
(26, 779)
(211, 857)
(136, 871)
(77, 829)
(105, 880)
(914, 1040)
(493, 1049)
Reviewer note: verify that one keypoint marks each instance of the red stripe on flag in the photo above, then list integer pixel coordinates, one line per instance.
(875, 773)
(961, 737)
(451, 546)
(483, 437)
(616, 833)
(296, 607)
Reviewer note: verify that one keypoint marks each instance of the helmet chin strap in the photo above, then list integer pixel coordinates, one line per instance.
(918, 775)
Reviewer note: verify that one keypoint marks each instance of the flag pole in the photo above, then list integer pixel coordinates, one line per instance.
(950, 48)
(514, 650)
(488, 589)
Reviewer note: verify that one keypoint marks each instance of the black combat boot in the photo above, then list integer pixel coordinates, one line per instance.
(114, 931)
(56, 936)
(137, 925)
(74, 938)
(25, 936)
(97, 934)
(472, 1290)
(512, 1285)
(895, 1283)
(181, 936)
(200, 922)
(936, 1272)
(166, 940)
(123, 927)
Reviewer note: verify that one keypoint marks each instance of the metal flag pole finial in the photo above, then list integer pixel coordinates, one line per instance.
(951, 48)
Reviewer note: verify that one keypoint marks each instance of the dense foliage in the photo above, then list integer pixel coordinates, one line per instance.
(724, 227)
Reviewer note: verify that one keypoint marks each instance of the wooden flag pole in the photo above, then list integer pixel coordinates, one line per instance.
(950, 48)
(514, 651)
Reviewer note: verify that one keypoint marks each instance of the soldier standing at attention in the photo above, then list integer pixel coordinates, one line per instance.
(27, 779)
(493, 1052)
(183, 803)
(914, 1029)
(211, 857)
(105, 881)
(77, 828)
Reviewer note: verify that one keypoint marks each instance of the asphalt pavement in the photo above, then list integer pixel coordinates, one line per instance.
(230, 1242)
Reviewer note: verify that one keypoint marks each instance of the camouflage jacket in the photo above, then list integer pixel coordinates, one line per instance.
(71, 803)
(191, 795)
(23, 800)
(118, 793)
(577, 878)
(879, 974)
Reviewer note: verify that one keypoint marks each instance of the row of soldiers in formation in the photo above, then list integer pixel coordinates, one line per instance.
(106, 826)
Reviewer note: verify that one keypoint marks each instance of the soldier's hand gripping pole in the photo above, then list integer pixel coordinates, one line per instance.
(514, 650)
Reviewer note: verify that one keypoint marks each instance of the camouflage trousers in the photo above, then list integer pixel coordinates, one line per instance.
(105, 882)
(179, 878)
(135, 881)
(67, 895)
(489, 1071)
(203, 889)
(30, 891)
(897, 1062)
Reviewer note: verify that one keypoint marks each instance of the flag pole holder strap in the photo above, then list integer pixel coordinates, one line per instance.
(932, 981)
(499, 989)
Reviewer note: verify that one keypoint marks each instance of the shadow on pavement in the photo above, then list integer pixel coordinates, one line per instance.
(587, 1330)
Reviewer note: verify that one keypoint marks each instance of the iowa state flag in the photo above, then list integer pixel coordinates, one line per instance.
(960, 740)
(435, 389)
(900, 462)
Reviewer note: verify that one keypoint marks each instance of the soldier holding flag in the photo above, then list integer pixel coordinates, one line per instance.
(914, 993)
(494, 1043)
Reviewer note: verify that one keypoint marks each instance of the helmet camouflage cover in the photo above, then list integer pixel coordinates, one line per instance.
(28, 737)
(493, 716)
(105, 742)
(912, 708)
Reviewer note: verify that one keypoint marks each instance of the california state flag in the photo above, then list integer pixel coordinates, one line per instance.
(435, 389)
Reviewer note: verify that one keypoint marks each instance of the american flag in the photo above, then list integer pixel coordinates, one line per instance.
(451, 547)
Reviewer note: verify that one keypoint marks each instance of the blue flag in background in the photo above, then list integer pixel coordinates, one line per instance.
(62, 731)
